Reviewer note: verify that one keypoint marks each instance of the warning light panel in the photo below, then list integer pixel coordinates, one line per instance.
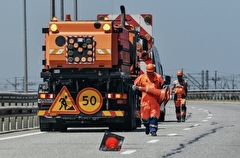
(80, 49)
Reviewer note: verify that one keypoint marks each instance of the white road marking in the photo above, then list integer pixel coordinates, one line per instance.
(204, 120)
(19, 136)
(128, 152)
(153, 141)
(209, 117)
(196, 125)
(209, 114)
(187, 129)
(172, 134)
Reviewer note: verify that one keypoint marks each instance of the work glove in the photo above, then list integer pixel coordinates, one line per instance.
(134, 87)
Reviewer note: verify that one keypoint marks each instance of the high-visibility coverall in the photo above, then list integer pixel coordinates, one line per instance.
(180, 92)
(150, 109)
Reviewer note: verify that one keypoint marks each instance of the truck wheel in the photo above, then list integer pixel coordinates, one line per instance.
(60, 128)
(138, 122)
(45, 127)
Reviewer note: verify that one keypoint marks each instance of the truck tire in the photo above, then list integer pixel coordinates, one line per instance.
(130, 119)
(128, 125)
(60, 128)
(45, 126)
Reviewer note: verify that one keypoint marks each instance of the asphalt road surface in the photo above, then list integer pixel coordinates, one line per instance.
(210, 131)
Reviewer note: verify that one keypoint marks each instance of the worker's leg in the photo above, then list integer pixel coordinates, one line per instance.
(184, 111)
(153, 125)
(145, 122)
(178, 110)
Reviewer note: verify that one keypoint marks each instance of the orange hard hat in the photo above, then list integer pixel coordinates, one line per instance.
(179, 73)
(150, 68)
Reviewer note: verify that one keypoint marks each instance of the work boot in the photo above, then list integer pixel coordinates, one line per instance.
(153, 134)
(147, 128)
(183, 118)
(179, 119)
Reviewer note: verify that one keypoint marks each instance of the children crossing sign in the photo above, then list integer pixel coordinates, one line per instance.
(64, 103)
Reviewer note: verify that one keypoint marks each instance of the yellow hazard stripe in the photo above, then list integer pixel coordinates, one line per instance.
(53, 114)
(112, 113)
(56, 51)
(103, 51)
(45, 112)
(41, 112)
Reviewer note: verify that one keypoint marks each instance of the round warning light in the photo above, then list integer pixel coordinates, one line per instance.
(75, 45)
(147, 19)
(84, 45)
(80, 49)
(53, 27)
(70, 59)
(101, 18)
(71, 41)
(70, 46)
(88, 40)
(89, 53)
(77, 59)
(83, 59)
(106, 27)
(90, 46)
(70, 53)
(89, 59)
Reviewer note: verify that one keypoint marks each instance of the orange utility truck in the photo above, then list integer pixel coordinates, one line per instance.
(88, 72)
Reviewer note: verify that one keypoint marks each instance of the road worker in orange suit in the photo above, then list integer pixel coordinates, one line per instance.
(150, 109)
(179, 90)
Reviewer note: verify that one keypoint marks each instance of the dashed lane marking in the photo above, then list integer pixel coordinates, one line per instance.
(196, 125)
(187, 129)
(172, 134)
(128, 152)
(153, 141)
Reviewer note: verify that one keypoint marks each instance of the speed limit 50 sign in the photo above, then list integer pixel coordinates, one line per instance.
(89, 100)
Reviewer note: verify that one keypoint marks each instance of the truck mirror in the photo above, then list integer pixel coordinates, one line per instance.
(167, 80)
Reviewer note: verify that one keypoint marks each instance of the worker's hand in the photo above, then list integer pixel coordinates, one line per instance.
(134, 87)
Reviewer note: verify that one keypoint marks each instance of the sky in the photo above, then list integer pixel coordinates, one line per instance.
(192, 35)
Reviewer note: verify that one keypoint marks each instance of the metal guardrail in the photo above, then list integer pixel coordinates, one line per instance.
(18, 111)
(215, 94)
(14, 97)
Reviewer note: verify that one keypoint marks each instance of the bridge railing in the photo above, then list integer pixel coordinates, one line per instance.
(18, 111)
